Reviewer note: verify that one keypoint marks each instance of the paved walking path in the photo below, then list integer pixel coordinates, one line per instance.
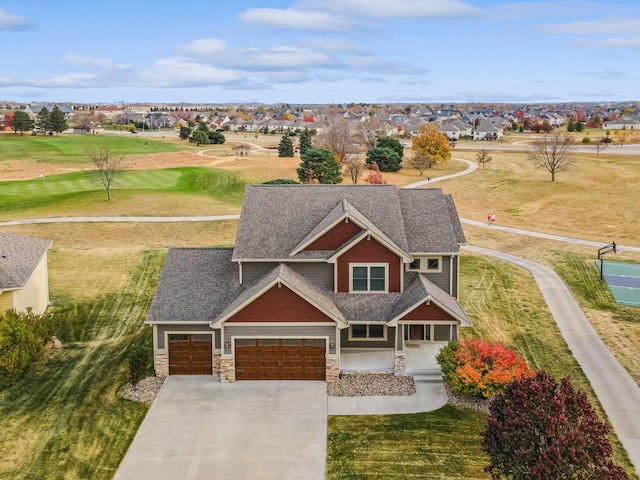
(617, 391)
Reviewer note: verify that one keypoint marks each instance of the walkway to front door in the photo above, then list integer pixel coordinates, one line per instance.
(198, 428)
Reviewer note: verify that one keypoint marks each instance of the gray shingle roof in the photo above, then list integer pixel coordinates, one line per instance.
(201, 285)
(428, 220)
(275, 219)
(196, 284)
(19, 257)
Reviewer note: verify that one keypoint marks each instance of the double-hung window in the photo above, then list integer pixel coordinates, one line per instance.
(368, 278)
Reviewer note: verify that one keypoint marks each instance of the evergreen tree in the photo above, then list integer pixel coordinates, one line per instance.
(285, 147)
(392, 143)
(386, 158)
(216, 137)
(43, 120)
(571, 125)
(579, 126)
(319, 164)
(305, 141)
(21, 122)
(58, 120)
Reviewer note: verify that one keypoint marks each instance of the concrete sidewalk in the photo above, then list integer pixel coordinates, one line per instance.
(428, 397)
(617, 391)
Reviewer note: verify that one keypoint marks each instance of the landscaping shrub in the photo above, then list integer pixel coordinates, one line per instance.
(480, 368)
(23, 335)
(138, 357)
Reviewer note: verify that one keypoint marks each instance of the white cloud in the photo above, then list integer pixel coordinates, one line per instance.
(614, 43)
(618, 26)
(292, 19)
(102, 63)
(9, 21)
(180, 71)
(73, 79)
(400, 8)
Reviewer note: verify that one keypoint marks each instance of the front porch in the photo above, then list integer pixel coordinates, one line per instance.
(420, 358)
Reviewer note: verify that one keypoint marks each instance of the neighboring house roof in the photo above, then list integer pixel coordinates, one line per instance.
(19, 257)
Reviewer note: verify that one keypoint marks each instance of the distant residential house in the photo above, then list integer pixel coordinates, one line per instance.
(487, 130)
(110, 113)
(34, 110)
(451, 131)
(24, 280)
(623, 123)
(88, 128)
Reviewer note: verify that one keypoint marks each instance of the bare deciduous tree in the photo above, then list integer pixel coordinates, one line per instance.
(107, 163)
(354, 167)
(421, 161)
(553, 153)
(483, 157)
(370, 129)
(338, 136)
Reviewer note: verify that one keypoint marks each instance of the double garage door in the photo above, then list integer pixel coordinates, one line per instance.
(280, 359)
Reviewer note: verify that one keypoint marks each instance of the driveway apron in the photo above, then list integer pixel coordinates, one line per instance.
(198, 428)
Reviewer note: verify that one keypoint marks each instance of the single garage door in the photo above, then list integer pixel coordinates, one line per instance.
(190, 354)
(280, 359)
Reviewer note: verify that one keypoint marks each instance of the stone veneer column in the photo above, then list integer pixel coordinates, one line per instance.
(216, 365)
(162, 365)
(333, 370)
(227, 370)
(398, 363)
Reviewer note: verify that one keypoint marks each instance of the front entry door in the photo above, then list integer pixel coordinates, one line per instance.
(416, 332)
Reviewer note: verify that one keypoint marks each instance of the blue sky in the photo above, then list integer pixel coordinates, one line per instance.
(320, 51)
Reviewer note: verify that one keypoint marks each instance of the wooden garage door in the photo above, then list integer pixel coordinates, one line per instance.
(280, 359)
(190, 354)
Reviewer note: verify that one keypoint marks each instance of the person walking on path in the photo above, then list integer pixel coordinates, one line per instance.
(489, 219)
(493, 218)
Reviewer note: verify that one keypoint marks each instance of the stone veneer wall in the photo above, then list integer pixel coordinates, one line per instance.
(333, 370)
(398, 363)
(227, 370)
(216, 365)
(162, 365)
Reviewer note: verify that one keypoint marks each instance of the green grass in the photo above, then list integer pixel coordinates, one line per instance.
(444, 444)
(56, 191)
(71, 148)
(65, 419)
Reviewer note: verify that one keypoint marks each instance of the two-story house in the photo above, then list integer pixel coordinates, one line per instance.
(318, 273)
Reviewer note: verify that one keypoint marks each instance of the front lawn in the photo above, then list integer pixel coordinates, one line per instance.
(444, 444)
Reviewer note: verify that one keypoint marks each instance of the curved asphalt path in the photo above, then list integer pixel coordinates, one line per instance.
(617, 391)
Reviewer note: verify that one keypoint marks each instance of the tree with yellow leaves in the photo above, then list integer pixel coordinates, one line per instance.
(431, 143)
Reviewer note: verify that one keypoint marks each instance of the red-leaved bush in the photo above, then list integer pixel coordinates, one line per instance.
(480, 368)
(540, 430)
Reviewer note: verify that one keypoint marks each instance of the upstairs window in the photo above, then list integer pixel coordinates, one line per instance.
(433, 264)
(415, 265)
(368, 278)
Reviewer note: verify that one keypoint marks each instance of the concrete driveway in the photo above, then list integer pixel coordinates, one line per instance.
(199, 428)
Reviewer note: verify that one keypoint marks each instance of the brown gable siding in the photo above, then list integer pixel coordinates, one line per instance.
(428, 312)
(369, 251)
(279, 305)
(335, 237)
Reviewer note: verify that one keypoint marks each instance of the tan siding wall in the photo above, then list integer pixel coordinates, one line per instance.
(35, 293)
(6, 301)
